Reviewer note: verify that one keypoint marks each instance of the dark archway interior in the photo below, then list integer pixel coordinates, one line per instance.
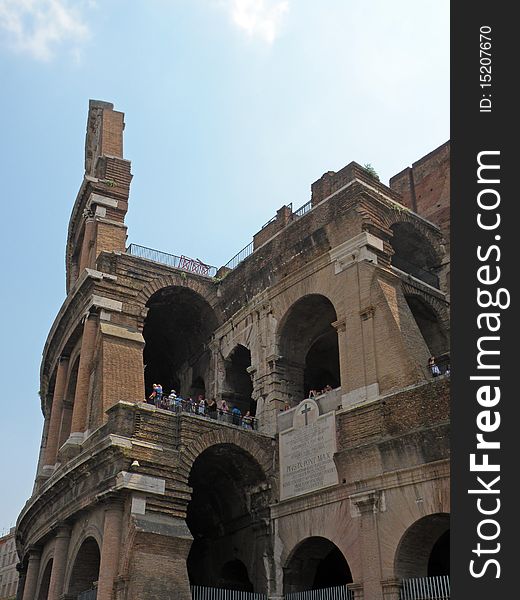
(177, 328)
(309, 346)
(238, 385)
(219, 517)
(46, 579)
(234, 576)
(315, 564)
(439, 561)
(86, 568)
(414, 254)
(429, 326)
(198, 387)
(424, 549)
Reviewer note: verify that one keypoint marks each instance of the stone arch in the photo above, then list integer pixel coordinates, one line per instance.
(415, 253)
(229, 490)
(178, 328)
(206, 289)
(308, 345)
(431, 319)
(314, 563)
(238, 384)
(91, 532)
(84, 568)
(427, 230)
(244, 440)
(423, 549)
(45, 579)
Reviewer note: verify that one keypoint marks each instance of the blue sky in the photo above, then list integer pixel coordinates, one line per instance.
(233, 108)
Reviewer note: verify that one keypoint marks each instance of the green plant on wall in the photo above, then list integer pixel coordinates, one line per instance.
(371, 171)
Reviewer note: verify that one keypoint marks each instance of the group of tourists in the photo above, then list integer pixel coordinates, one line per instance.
(220, 410)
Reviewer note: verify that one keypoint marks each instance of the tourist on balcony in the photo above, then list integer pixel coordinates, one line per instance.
(236, 414)
(158, 395)
(152, 396)
(247, 421)
(223, 411)
(433, 367)
(201, 405)
(211, 407)
(326, 389)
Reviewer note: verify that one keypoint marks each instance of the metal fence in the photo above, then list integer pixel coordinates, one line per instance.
(240, 256)
(181, 405)
(418, 272)
(207, 593)
(303, 209)
(178, 262)
(340, 592)
(88, 594)
(426, 588)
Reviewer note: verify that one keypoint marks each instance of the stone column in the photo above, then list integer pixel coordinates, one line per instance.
(109, 564)
(59, 563)
(31, 578)
(21, 581)
(79, 413)
(88, 239)
(391, 589)
(367, 504)
(56, 412)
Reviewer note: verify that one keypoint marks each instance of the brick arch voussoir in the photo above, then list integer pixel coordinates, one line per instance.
(242, 440)
(439, 307)
(429, 232)
(205, 290)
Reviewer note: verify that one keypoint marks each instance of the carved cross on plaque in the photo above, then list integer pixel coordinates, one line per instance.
(306, 409)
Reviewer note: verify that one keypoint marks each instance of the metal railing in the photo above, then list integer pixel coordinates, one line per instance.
(178, 262)
(418, 272)
(240, 256)
(88, 594)
(208, 593)
(303, 209)
(182, 405)
(426, 588)
(340, 592)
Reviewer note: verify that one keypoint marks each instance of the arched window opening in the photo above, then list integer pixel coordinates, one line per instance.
(424, 550)
(428, 322)
(225, 481)
(308, 345)
(198, 387)
(414, 254)
(85, 572)
(234, 576)
(238, 387)
(316, 563)
(45, 581)
(177, 329)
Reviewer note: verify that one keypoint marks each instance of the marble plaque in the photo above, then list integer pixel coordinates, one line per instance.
(306, 452)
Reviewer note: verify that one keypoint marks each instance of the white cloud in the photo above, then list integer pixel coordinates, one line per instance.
(40, 27)
(259, 18)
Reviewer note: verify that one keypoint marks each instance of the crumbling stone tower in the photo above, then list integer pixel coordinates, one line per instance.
(347, 294)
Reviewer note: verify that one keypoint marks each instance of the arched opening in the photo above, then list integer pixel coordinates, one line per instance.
(234, 576)
(308, 346)
(225, 481)
(68, 402)
(429, 325)
(85, 571)
(414, 254)
(238, 386)
(198, 387)
(177, 329)
(314, 564)
(424, 550)
(45, 581)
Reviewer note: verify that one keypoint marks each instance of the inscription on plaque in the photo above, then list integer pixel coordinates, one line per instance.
(306, 452)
